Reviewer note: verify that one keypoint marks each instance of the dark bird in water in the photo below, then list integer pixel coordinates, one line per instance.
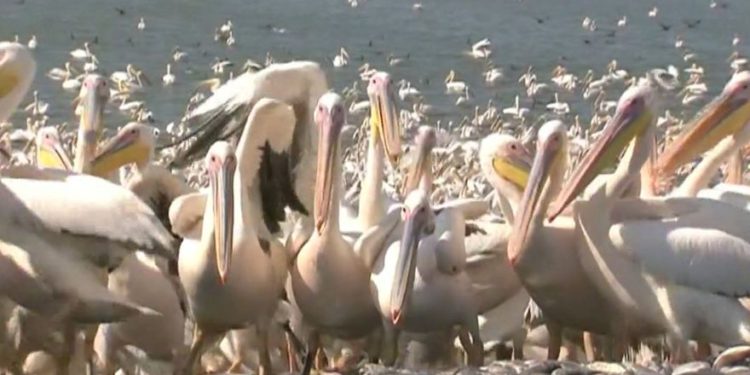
(691, 23)
(664, 26)
(120, 11)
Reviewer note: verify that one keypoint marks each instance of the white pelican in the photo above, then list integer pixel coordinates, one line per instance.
(407, 92)
(452, 86)
(384, 143)
(653, 12)
(329, 282)
(60, 74)
(38, 107)
(418, 263)
(516, 111)
(92, 98)
(565, 294)
(481, 49)
(17, 70)
(81, 53)
(49, 150)
(168, 78)
(622, 22)
(558, 107)
(235, 273)
(341, 59)
(656, 260)
(493, 76)
(141, 24)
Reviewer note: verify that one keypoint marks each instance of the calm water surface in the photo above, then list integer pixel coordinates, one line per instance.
(531, 32)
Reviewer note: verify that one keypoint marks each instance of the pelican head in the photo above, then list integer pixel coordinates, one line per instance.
(17, 68)
(633, 117)
(506, 163)
(93, 96)
(49, 150)
(424, 141)
(725, 115)
(134, 143)
(384, 118)
(221, 163)
(544, 182)
(330, 116)
(419, 220)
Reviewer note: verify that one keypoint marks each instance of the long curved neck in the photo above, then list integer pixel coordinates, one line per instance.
(332, 222)
(371, 202)
(629, 169)
(425, 181)
(85, 148)
(701, 176)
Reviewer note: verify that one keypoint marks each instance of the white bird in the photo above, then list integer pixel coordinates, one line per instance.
(341, 59)
(141, 24)
(32, 42)
(81, 53)
(452, 86)
(493, 76)
(516, 111)
(168, 78)
(407, 92)
(622, 22)
(653, 12)
(558, 107)
(481, 49)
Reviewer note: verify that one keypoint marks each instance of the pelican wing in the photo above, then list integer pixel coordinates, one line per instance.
(222, 115)
(45, 280)
(83, 207)
(186, 214)
(698, 243)
(157, 187)
(372, 242)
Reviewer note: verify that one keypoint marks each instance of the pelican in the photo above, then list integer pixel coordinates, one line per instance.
(452, 86)
(141, 24)
(726, 115)
(558, 107)
(384, 144)
(481, 49)
(534, 244)
(415, 290)
(407, 92)
(81, 53)
(656, 260)
(516, 111)
(49, 150)
(341, 59)
(168, 78)
(493, 76)
(48, 238)
(222, 115)
(235, 273)
(329, 282)
(92, 98)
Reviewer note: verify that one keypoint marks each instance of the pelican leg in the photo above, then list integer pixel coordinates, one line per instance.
(293, 347)
(555, 340)
(202, 339)
(313, 343)
(588, 346)
(518, 342)
(89, 334)
(263, 353)
(389, 347)
(472, 343)
(62, 361)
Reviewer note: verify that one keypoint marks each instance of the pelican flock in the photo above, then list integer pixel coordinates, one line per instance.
(286, 224)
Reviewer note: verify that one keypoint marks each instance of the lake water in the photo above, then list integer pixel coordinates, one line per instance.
(531, 32)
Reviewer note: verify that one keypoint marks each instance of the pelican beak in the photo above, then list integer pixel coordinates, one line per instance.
(8, 80)
(419, 168)
(222, 191)
(514, 168)
(327, 158)
(52, 155)
(91, 116)
(124, 148)
(384, 119)
(403, 279)
(627, 123)
(546, 157)
(725, 115)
